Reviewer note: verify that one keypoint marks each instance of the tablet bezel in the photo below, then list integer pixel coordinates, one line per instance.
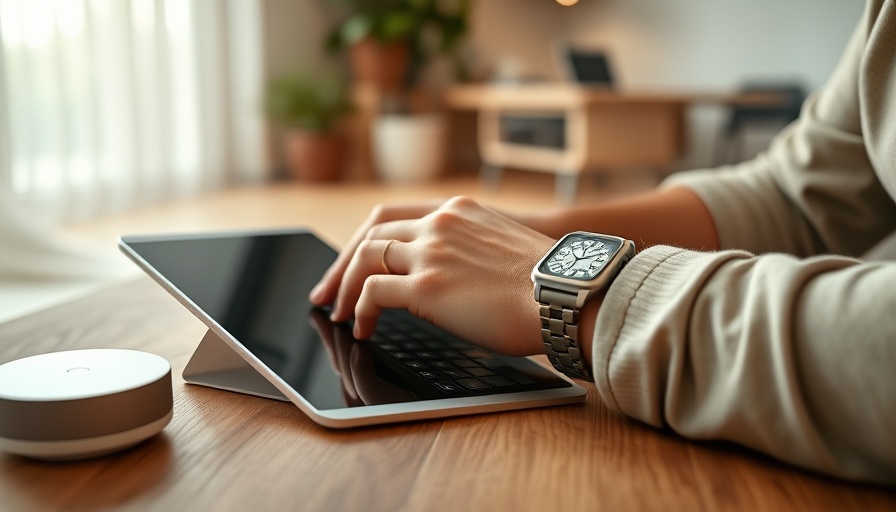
(219, 351)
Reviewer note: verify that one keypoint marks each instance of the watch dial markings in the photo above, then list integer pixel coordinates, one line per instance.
(580, 259)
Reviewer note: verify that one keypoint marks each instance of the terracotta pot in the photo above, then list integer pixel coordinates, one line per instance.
(314, 156)
(380, 65)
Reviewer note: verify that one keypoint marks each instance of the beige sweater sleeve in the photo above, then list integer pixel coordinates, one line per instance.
(795, 358)
(792, 357)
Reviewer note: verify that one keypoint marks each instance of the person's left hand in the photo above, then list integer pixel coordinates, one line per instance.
(464, 267)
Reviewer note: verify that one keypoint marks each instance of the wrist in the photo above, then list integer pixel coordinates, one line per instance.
(570, 282)
(587, 321)
(543, 222)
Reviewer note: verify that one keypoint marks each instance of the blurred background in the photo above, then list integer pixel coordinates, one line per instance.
(159, 115)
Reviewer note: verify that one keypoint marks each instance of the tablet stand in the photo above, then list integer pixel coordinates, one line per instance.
(216, 365)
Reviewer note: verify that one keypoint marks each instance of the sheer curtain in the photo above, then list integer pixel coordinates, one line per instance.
(111, 104)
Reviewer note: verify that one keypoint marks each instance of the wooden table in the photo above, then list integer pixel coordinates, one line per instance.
(226, 451)
(602, 128)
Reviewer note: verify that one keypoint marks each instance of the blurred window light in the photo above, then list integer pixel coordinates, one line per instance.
(101, 106)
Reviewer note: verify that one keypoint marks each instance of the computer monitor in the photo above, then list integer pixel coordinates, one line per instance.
(585, 66)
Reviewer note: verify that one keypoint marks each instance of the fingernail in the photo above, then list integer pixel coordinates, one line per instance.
(315, 293)
(356, 331)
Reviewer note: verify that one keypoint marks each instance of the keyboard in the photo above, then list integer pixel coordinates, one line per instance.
(446, 365)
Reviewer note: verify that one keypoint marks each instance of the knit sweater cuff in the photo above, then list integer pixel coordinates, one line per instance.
(628, 323)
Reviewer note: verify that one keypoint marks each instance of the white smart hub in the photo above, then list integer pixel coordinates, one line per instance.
(83, 403)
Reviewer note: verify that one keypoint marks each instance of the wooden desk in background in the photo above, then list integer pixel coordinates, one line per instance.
(227, 451)
(602, 129)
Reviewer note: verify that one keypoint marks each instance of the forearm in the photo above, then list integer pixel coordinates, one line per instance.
(789, 357)
(673, 216)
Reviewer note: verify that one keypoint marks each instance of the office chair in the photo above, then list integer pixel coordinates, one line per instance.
(742, 118)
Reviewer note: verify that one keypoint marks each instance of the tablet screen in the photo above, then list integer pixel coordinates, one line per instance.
(256, 288)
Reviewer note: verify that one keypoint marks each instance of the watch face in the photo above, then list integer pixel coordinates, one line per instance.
(580, 257)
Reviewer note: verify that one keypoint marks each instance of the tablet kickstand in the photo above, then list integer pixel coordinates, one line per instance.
(214, 364)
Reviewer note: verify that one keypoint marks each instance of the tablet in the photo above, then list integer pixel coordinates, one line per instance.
(266, 339)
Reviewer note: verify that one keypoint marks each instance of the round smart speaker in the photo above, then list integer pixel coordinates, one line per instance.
(83, 403)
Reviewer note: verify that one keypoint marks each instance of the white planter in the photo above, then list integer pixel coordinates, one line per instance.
(409, 148)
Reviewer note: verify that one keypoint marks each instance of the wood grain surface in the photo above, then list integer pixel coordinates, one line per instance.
(226, 451)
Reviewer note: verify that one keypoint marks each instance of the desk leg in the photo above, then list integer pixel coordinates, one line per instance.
(565, 185)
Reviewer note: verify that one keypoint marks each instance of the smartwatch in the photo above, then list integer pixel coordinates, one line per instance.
(577, 267)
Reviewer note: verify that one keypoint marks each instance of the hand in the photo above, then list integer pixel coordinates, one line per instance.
(326, 290)
(463, 267)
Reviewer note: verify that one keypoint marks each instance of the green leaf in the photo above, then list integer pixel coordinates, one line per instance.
(302, 101)
(431, 27)
(397, 25)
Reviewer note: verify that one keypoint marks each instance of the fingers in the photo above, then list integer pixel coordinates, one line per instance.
(326, 290)
(337, 349)
(384, 251)
(379, 292)
(324, 329)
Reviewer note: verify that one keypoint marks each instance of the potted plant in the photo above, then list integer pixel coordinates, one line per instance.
(391, 43)
(308, 108)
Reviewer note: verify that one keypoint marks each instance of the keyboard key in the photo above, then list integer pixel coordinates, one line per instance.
(428, 375)
(456, 373)
(498, 382)
(443, 365)
(513, 374)
(491, 363)
(402, 356)
(428, 355)
(415, 365)
(477, 353)
(448, 386)
(452, 354)
(412, 346)
(479, 371)
(473, 384)
(466, 363)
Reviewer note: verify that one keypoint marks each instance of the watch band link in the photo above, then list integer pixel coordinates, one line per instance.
(560, 334)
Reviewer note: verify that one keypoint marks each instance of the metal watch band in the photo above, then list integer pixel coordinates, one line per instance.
(560, 334)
